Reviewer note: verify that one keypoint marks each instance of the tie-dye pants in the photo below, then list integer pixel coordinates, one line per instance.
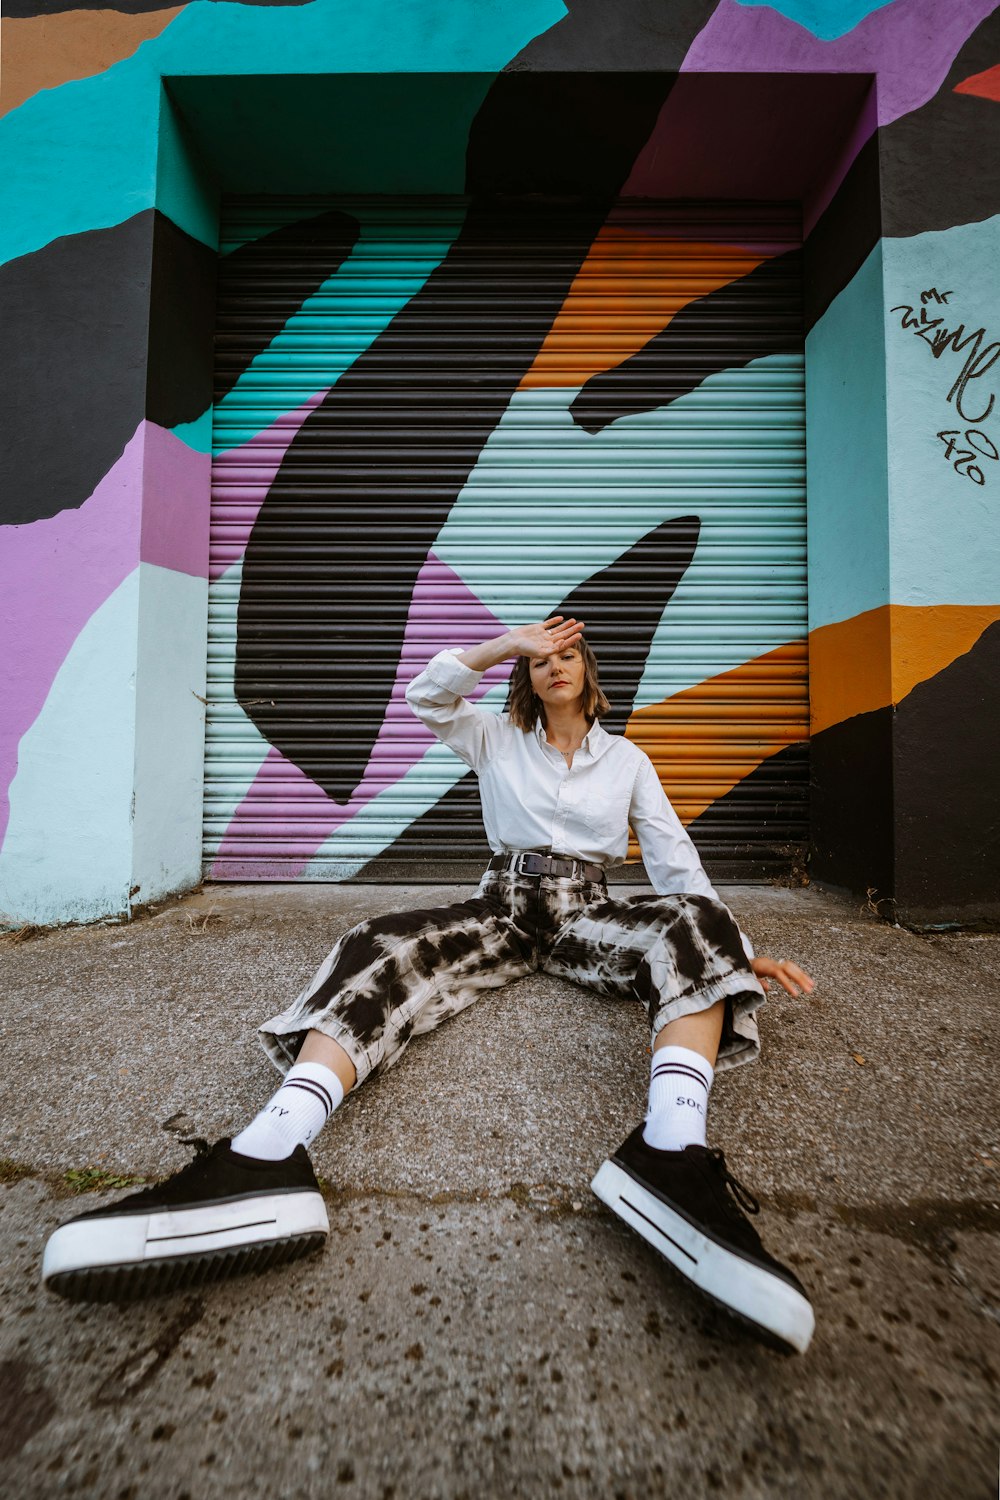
(396, 976)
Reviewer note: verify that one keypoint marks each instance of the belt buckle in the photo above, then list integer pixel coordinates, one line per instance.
(532, 864)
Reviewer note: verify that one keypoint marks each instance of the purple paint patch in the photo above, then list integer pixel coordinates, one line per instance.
(443, 612)
(241, 478)
(56, 573)
(910, 46)
(175, 503)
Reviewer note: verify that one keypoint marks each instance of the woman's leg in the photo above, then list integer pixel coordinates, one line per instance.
(680, 1079)
(321, 1049)
(234, 1210)
(700, 1032)
(386, 980)
(683, 957)
(395, 977)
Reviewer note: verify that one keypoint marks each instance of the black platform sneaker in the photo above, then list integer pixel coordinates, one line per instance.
(221, 1215)
(690, 1208)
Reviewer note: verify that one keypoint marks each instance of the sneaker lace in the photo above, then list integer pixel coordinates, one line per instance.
(746, 1200)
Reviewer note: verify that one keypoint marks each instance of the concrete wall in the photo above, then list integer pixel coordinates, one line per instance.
(108, 246)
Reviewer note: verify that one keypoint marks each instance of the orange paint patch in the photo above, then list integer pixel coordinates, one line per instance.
(42, 52)
(706, 739)
(984, 85)
(878, 657)
(625, 293)
(850, 668)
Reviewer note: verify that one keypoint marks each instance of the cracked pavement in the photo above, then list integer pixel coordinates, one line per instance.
(478, 1325)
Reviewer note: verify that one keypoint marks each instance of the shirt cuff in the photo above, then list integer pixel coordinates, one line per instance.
(447, 671)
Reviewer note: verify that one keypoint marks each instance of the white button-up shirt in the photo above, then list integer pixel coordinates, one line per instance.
(533, 800)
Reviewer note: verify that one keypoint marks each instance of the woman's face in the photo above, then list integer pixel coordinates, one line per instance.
(558, 680)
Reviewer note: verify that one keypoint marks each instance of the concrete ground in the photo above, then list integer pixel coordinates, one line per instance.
(478, 1324)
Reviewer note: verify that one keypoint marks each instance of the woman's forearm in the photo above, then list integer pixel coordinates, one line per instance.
(480, 658)
(541, 639)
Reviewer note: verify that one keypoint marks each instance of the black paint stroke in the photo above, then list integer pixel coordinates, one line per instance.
(946, 789)
(90, 351)
(294, 261)
(181, 317)
(760, 826)
(941, 163)
(851, 812)
(626, 36)
(621, 607)
(725, 329)
(844, 235)
(449, 836)
(371, 476)
(906, 800)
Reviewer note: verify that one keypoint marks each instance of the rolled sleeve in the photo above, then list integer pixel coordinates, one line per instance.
(438, 698)
(447, 673)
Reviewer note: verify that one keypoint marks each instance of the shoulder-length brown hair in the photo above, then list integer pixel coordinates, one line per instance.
(525, 707)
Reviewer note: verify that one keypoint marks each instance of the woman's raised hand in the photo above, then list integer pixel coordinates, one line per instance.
(542, 639)
(546, 637)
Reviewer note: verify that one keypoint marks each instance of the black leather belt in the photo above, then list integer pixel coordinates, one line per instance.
(526, 863)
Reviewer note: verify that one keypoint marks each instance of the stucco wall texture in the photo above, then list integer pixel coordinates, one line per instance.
(122, 127)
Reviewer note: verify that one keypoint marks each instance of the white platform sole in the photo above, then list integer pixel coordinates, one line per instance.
(752, 1292)
(120, 1257)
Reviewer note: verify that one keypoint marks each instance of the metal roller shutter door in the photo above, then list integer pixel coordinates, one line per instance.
(430, 418)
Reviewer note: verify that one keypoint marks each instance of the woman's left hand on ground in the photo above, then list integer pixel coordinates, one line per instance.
(791, 978)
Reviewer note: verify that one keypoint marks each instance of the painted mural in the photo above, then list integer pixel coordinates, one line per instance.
(108, 269)
(464, 419)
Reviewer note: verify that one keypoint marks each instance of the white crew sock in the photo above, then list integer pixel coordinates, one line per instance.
(296, 1114)
(679, 1085)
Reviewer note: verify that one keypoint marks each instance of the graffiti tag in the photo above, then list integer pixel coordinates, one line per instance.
(962, 458)
(929, 324)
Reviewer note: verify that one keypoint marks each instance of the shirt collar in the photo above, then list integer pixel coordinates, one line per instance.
(595, 741)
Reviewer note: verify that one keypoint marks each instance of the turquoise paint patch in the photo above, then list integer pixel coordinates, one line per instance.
(67, 852)
(197, 434)
(944, 538)
(846, 441)
(169, 732)
(379, 822)
(84, 156)
(364, 300)
(69, 165)
(567, 503)
(826, 19)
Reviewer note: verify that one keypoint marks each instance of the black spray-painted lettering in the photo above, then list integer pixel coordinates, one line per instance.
(940, 339)
(962, 462)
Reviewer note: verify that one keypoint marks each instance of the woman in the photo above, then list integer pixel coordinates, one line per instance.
(558, 797)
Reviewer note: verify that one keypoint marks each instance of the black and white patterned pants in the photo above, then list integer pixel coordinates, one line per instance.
(391, 978)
